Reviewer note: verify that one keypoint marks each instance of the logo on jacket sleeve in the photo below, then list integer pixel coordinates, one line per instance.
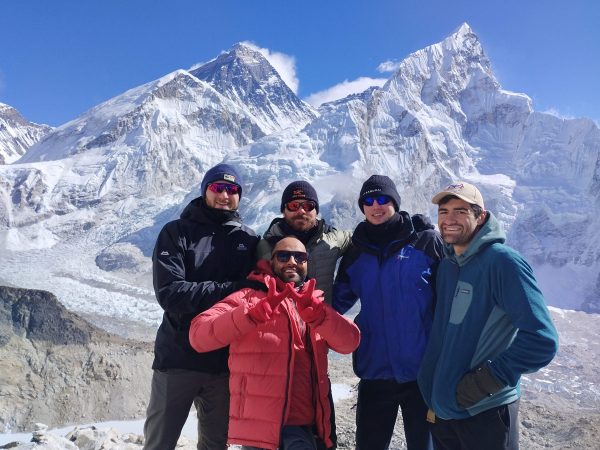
(164, 253)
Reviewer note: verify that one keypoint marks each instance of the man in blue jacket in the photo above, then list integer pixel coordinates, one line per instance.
(198, 259)
(490, 326)
(391, 267)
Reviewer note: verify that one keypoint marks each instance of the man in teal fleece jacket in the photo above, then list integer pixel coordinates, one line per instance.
(490, 326)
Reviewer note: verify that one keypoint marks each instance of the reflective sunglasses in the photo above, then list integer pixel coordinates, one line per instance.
(218, 188)
(380, 199)
(284, 256)
(306, 205)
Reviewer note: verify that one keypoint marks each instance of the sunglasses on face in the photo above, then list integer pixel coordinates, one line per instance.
(306, 205)
(380, 199)
(284, 256)
(218, 188)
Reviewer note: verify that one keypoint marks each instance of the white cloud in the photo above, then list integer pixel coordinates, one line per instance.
(343, 89)
(388, 66)
(285, 65)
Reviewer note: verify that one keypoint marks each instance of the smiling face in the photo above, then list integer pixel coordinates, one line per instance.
(222, 200)
(458, 224)
(377, 214)
(290, 270)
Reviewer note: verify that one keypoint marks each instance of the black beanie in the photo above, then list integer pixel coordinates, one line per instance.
(379, 185)
(299, 190)
(221, 172)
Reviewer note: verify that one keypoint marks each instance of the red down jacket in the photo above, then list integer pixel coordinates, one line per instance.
(261, 363)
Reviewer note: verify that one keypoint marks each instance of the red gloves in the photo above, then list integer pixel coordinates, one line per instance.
(263, 310)
(309, 303)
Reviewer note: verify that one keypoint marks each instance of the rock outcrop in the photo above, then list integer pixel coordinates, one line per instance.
(57, 369)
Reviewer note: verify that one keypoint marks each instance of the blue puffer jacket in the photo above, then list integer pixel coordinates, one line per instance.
(395, 287)
(489, 308)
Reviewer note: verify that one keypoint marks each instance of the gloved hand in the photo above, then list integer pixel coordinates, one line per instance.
(477, 385)
(264, 309)
(273, 297)
(309, 303)
(261, 312)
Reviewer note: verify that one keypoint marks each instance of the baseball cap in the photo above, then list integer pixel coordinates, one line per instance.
(464, 191)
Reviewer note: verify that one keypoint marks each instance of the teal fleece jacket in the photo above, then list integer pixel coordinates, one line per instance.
(489, 308)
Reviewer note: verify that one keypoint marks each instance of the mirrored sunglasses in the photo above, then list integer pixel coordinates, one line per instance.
(284, 256)
(218, 188)
(306, 205)
(380, 199)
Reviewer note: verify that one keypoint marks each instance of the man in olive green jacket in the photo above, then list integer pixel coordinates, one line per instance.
(324, 243)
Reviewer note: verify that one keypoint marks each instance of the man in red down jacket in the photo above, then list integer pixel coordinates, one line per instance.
(279, 342)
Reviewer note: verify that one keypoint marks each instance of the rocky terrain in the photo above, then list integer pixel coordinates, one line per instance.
(56, 369)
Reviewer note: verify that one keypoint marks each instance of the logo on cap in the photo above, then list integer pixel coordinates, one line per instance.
(298, 193)
(229, 178)
(455, 187)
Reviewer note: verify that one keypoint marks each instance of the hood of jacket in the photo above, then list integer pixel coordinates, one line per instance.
(197, 211)
(490, 233)
(264, 273)
(275, 232)
(404, 233)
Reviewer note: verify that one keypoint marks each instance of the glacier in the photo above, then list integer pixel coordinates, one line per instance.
(80, 210)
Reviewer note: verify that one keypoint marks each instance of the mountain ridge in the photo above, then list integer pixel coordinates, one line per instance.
(441, 116)
(17, 134)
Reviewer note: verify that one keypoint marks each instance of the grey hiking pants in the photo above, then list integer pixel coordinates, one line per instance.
(172, 395)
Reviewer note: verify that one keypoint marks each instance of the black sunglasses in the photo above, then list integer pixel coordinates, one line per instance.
(306, 205)
(380, 199)
(285, 255)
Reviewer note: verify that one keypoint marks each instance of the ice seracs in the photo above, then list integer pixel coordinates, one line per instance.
(81, 210)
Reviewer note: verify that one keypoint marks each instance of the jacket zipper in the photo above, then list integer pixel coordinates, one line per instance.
(317, 386)
(288, 375)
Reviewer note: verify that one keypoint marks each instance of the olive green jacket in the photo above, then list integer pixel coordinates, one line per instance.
(324, 248)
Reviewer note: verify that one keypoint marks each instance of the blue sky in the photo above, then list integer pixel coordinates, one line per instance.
(60, 58)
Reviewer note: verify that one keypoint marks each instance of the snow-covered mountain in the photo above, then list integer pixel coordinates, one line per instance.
(244, 76)
(80, 211)
(17, 134)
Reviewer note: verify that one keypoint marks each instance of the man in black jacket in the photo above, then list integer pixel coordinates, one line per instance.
(198, 259)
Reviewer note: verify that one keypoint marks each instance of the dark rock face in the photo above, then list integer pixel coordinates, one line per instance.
(56, 368)
(38, 316)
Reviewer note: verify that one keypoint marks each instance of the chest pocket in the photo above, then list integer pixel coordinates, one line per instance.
(463, 296)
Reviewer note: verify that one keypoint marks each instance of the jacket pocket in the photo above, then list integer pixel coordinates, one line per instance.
(463, 296)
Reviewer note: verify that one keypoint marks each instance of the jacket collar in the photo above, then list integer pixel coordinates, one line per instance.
(490, 233)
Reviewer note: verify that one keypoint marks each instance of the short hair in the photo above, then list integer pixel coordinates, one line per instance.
(477, 210)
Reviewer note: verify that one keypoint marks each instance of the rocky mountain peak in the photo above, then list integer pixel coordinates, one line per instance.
(17, 134)
(240, 66)
(246, 77)
(444, 69)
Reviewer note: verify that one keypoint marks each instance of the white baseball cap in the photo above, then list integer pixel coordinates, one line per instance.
(464, 191)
